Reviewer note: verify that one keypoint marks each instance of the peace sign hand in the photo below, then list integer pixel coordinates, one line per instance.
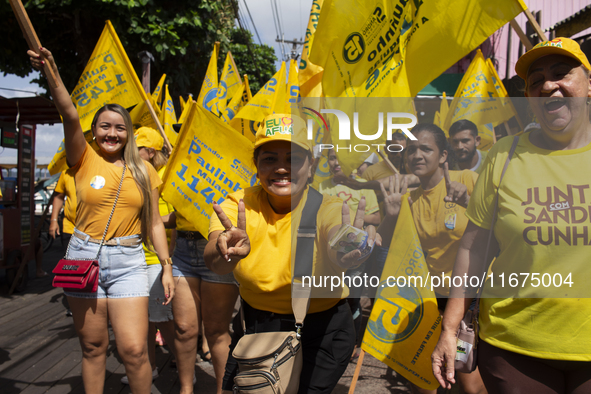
(456, 192)
(352, 259)
(233, 243)
(393, 196)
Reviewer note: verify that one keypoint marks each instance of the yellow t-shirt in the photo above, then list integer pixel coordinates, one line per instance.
(67, 185)
(536, 235)
(265, 274)
(350, 196)
(440, 225)
(96, 187)
(164, 208)
(377, 171)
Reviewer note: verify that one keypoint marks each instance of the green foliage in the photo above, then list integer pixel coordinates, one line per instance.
(179, 34)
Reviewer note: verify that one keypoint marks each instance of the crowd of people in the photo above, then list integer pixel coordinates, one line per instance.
(466, 204)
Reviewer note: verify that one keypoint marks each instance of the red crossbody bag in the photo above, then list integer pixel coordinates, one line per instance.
(82, 274)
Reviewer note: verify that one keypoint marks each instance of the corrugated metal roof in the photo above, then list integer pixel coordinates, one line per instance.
(570, 18)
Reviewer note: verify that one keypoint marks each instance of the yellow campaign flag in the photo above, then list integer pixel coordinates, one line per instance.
(108, 78)
(168, 117)
(182, 101)
(293, 87)
(229, 82)
(209, 89)
(247, 93)
(310, 75)
(141, 116)
(363, 45)
(404, 325)
(157, 93)
(186, 110)
(209, 162)
(437, 119)
(480, 99)
(247, 120)
(233, 106)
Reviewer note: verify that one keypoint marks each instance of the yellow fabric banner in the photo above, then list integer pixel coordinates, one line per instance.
(293, 87)
(229, 82)
(247, 120)
(209, 89)
(157, 93)
(108, 78)
(209, 162)
(141, 116)
(182, 101)
(186, 110)
(168, 117)
(404, 325)
(481, 99)
(233, 106)
(310, 75)
(443, 111)
(363, 45)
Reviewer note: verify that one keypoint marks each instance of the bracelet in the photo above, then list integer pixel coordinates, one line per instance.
(168, 261)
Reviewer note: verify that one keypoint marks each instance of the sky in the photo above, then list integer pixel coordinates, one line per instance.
(293, 18)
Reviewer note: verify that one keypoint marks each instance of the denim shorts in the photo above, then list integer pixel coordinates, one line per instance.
(123, 269)
(188, 262)
(157, 312)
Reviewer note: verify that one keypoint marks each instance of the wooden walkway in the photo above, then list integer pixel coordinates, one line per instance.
(40, 353)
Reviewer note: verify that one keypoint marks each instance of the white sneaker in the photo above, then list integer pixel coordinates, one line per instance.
(125, 379)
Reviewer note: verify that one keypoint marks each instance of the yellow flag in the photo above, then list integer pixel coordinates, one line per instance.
(141, 116)
(182, 101)
(186, 110)
(209, 89)
(443, 111)
(247, 120)
(233, 106)
(229, 83)
(168, 117)
(209, 162)
(157, 93)
(404, 325)
(481, 99)
(310, 75)
(437, 119)
(108, 78)
(247, 93)
(363, 45)
(293, 87)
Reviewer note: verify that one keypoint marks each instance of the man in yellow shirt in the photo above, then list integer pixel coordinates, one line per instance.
(464, 139)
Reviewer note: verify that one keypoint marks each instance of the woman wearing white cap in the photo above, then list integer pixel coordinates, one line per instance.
(252, 237)
(531, 340)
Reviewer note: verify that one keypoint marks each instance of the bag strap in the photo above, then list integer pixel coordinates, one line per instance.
(495, 211)
(110, 216)
(304, 257)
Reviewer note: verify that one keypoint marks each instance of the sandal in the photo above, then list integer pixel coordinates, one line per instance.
(204, 357)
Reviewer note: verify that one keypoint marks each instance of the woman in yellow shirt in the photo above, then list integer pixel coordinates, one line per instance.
(437, 207)
(122, 295)
(532, 341)
(252, 237)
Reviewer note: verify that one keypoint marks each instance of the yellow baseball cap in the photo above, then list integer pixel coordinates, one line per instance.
(148, 138)
(283, 127)
(558, 46)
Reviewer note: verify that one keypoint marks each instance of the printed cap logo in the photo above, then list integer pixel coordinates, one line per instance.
(281, 126)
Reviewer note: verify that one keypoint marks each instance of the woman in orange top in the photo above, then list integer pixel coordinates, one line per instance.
(122, 296)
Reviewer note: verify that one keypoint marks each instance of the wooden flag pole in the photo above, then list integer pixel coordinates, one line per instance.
(357, 371)
(31, 36)
(534, 24)
(160, 129)
(388, 162)
(524, 40)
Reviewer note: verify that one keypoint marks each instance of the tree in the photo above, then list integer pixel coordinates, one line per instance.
(180, 35)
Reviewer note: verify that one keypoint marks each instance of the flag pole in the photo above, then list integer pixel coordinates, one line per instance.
(534, 24)
(31, 37)
(388, 162)
(357, 371)
(524, 40)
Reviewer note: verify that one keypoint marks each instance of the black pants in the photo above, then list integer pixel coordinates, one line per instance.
(505, 372)
(328, 339)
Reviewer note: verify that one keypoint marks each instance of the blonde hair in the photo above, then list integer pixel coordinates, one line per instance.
(136, 166)
(159, 160)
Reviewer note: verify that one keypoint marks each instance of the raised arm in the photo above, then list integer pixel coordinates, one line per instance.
(73, 133)
(471, 261)
(392, 203)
